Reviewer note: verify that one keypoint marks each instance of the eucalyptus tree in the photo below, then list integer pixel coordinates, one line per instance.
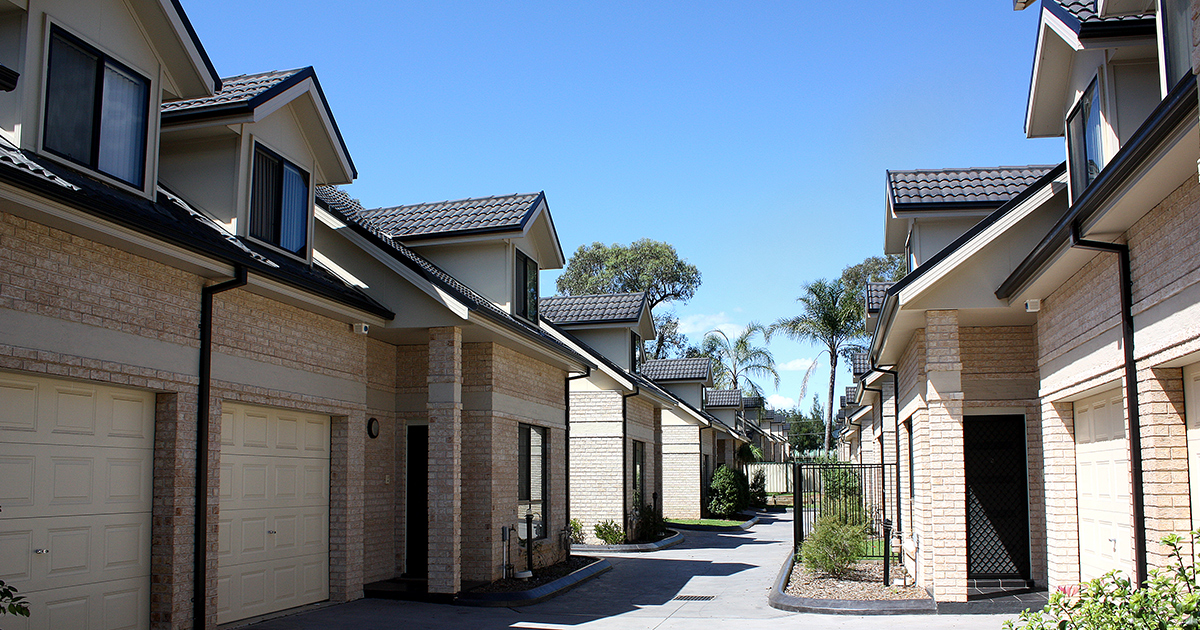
(830, 318)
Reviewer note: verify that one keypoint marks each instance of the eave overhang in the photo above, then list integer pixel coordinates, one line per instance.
(339, 167)
(1161, 154)
(188, 65)
(894, 324)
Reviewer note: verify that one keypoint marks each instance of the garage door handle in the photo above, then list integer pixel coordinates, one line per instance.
(41, 551)
(271, 531)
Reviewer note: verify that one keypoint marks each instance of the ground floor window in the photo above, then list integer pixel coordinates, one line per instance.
(532, 482)
(639, 468)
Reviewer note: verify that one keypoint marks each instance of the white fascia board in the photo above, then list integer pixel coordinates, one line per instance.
(445, 299)
(337, 270)
(303, 299)
(861, 413)
(1047, 76)
(189, 47)
(544, 209)
(625, 383)
(972, 247)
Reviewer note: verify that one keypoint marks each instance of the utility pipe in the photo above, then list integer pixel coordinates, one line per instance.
(200, 560)
(1135, 421)
(625, 456)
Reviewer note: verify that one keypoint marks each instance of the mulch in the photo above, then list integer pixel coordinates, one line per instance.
(541, 576)
(864, 582)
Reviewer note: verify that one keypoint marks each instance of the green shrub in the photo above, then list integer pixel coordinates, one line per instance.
(576, 529)
(645, 521)
(834, 546)
(729, 492)
(758, 489)
(11, 603)
(1169, 601)
(610, 533)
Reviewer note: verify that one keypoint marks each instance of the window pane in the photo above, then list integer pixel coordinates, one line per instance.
(1094, 142)
(532, 472)
(1177, 33)
(70, 100)
(293, 228)
(123, 125)
(264, 199)
(531, 288)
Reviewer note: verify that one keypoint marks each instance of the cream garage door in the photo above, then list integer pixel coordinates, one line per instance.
(274, 526)
(76, 461)
(1102, 476)
(1191, 398)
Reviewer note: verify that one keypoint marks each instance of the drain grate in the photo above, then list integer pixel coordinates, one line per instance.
(694, 598)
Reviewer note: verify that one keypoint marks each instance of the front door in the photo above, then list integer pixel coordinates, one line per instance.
(997, 497)
(416, 558)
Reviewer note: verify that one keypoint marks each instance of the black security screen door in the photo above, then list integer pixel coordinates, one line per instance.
(997, 497)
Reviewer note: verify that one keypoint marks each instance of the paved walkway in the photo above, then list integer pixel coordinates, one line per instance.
(639, 593)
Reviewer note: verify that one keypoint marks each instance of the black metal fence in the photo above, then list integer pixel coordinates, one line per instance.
(857, 493)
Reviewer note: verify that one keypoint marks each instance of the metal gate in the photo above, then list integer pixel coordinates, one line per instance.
(857, 493)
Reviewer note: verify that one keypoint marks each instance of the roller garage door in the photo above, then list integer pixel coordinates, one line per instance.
(1102, 477)
(274, 524)
(75, 499)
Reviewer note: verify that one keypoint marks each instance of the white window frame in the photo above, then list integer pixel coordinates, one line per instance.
(1099, 96)
(154, 102)
(305, 254)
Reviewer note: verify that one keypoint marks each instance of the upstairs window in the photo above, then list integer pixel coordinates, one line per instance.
(1085, 141)
(526, 299)
(1176, 23)
(97, 110)
(279, 202)
(635, 351)
(532, 480)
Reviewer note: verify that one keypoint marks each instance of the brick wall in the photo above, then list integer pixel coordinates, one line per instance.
(681, 471)
(597, 452)
(381, 480)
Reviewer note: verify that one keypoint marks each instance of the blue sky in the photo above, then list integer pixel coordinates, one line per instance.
(754, 137)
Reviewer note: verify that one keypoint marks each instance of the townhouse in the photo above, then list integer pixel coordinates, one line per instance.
(1041, 351)
(227, 389)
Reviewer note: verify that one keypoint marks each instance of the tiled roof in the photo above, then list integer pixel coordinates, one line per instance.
(693, 369)
(169, 219)
(723, 398)
(581, 309)
(876, 292)
(751, 401)
(445, 218)
(860, 363)
(980, 187)
(1085, 11)
(234, 91)
(350, 210)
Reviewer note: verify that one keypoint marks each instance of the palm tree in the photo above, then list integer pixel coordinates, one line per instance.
(737, 359)
(830, 318)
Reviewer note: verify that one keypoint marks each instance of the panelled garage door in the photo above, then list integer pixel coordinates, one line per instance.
(274, 525)
(1191, 398)
(75, 499)
(1102, 476)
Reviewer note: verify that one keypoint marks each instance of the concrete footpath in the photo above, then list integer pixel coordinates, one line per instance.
(728, 575)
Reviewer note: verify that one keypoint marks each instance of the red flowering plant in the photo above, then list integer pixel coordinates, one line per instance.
(1169, 600)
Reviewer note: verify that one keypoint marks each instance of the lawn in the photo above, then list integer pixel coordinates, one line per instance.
(712, 522)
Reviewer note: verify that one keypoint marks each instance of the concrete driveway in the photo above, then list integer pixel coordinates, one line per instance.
(736, 570)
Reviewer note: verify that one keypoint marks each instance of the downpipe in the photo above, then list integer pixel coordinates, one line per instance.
(1132, 404)
(200, 559)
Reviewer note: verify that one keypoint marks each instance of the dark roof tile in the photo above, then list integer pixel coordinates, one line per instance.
(588, 309)
(876, 293)
(980, 187)
(446, 218)
(860, 363)
(693, 369)
(234, 90)
(723, 398)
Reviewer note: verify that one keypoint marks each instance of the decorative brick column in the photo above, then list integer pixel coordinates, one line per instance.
(445, 459)
(1062, 504)
(346, 500)
(1164, 459)
(943, 369)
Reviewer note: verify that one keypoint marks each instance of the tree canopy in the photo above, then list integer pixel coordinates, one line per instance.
(644, 265)
(854, 278)
(737, 360)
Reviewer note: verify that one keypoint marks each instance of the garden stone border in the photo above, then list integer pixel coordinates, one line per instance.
(670, 541)
(781, 600)
(538, 594)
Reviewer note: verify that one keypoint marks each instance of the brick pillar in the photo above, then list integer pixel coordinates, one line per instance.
(174, 511)
(445, 459)
(1164, 459)
(1062, 508)
(346, 499)
(943, 368)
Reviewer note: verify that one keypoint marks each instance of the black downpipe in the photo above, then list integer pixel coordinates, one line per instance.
(200, 561)
(567, 439)
(625, 456)
(1135, 420)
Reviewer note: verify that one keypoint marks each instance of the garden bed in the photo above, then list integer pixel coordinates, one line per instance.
(541, 576)
(864, 582)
